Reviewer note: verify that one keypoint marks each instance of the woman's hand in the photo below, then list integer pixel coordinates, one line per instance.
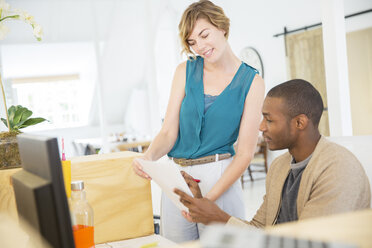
(138, 168)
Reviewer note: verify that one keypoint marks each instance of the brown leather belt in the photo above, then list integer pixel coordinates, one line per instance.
(202, 160)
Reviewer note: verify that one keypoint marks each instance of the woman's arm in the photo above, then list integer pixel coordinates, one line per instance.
(247, 140)
(167, 136)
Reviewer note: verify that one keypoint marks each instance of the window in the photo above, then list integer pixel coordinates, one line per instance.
(54, 80)
(57, 98)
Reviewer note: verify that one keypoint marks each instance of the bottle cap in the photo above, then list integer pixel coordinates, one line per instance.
(77, 185)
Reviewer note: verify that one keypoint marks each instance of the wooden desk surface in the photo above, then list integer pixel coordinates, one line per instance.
(157, 241)
(352, 228)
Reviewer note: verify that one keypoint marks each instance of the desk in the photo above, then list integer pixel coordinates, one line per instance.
(11, 235)
(354, 228)
(121, 201)
(138, 242)
(351, 228)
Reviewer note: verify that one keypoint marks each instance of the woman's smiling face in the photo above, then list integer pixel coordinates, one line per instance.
(207, 40)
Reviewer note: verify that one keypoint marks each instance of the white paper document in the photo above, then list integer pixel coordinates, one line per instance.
(168, 177)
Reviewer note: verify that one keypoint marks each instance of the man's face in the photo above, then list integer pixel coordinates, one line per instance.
(277, 128)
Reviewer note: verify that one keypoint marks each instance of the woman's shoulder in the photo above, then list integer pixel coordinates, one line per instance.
(258, 80)
(181, 68)
(190, 60)
(195, 60)
(253, 74)
(190, 65)
(250, 68)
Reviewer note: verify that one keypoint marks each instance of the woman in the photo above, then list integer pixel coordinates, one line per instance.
(214, 98)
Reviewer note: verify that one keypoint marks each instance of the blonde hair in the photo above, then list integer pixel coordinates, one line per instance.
(203, 9)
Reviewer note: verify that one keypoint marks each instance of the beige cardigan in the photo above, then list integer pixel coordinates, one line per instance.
(334, 181)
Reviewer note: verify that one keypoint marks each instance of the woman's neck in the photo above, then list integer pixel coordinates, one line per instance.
(228, 62)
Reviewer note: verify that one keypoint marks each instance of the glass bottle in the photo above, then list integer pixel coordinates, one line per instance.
(81, 216)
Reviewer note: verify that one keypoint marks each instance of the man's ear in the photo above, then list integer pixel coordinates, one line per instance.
(301, 121)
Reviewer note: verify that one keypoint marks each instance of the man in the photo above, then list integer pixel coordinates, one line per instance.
(314, 178)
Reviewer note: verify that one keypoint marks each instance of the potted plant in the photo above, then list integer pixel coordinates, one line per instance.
(17, 117)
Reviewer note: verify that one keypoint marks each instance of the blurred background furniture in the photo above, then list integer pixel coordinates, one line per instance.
(93, 145)
(258, 163)
(141, 146)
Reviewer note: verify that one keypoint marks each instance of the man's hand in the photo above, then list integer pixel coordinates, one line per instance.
(194, 187)
(201, 210)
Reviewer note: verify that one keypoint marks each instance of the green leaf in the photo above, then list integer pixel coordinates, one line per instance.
(18, 115)
(32, 121)
(21, 115)
(11, 112)
(4, 121)
(25, 115)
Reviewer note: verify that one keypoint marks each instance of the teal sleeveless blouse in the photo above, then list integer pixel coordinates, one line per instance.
(215, 131)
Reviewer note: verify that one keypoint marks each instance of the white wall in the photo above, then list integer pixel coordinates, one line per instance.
(253, 23)
(123, 25)
(125, 28)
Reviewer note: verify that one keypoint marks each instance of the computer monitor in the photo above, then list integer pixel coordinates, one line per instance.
(39, 190)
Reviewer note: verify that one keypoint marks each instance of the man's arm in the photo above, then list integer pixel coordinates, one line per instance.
(205, 211)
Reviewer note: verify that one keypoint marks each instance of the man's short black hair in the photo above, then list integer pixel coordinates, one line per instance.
(301, 98)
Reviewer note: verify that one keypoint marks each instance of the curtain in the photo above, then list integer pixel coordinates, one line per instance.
(305, 60)
(359, 54)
